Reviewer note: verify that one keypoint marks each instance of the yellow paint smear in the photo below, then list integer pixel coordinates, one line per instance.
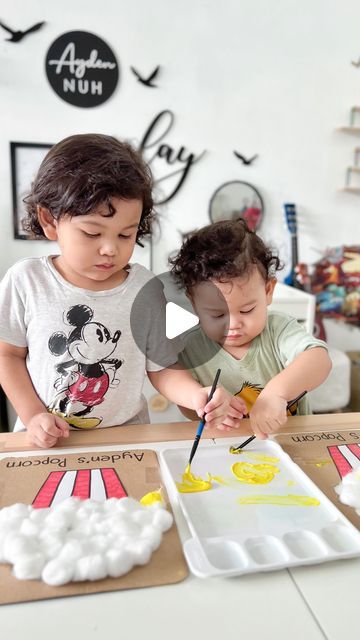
(249, 473)
(192, 484)
(290, 500)
(218, 479)
(152, 497)
(253, 456)
(320, 463)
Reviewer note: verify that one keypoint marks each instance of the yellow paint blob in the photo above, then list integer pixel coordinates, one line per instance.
(290, 483)
(287, 501)
(235, 450)
(192, 484)
(249, 473)
(152, 497)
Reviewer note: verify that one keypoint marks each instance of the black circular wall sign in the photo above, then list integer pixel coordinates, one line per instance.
(82, 69)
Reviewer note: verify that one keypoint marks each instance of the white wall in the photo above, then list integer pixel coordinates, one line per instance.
(260, 76)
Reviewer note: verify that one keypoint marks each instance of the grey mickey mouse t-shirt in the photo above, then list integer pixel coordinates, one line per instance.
(82, 357)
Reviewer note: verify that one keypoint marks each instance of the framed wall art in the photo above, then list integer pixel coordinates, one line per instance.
(26, 158)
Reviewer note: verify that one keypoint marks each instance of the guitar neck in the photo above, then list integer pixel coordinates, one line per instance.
(294, 251)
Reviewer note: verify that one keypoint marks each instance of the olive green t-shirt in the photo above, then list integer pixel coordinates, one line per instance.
(281, 341)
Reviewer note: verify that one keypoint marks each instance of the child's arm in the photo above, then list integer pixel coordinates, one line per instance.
(307, 371)
(42, 427)
(178, 386)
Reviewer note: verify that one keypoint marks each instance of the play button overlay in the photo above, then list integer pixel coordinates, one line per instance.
(163, 323)
(178, 320)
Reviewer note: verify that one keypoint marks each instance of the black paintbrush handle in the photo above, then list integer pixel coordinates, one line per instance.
(202, 422)
(289, 404)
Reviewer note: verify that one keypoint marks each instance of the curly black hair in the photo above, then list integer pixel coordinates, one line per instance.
(83, 171)
(222, 251)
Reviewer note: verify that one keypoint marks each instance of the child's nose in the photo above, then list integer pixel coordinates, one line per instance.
(108, 249)
(235, 321)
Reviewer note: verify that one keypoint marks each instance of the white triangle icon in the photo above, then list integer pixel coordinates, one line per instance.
(178, 320)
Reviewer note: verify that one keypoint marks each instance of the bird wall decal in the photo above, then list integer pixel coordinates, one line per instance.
(243, 159)
(16, 36)
(148, 82)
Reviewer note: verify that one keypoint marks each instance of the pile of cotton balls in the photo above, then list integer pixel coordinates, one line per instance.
(349, 489)
(80, 539)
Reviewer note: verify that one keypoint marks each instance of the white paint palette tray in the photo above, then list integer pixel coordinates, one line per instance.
(231, 539)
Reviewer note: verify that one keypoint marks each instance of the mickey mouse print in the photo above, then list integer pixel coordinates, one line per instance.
(86, 376)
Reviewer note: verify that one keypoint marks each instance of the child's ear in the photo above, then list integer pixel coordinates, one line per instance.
(269, 288)
(190, 297)
(47, 223)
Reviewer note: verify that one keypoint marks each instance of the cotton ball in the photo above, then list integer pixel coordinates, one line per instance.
(96, 517)
(71, 551)
(155, 506)
(38, 515)
(127, 505)
(108, 523)
(17, 510)
(12, 517)
(152, 535)
(69, 505)
(349, 489)
(73, 535)
(162, 519)
(141, 517)
(85, 529)
(57, 572)
(118, 562)
(126, 528)
(17, 545)
(29, 566)
(91, 567)
(29, 528)
(140, 551)
(119, 541)
(51, 542)
(110, 504)
(57, 520)
(99, 543)
(65, 512)
(89, 505)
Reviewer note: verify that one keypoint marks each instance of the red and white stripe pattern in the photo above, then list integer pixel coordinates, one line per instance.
(97, 484)
(346, 457)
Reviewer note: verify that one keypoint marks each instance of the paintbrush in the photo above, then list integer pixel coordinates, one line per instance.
(202, 422)
(244, 444)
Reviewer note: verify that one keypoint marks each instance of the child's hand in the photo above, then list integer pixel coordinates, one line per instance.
(223, 406)
(44, 430)
(232, 420)
(268, 414)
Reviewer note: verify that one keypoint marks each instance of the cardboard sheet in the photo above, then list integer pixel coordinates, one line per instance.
(37, 479)
(326, 456)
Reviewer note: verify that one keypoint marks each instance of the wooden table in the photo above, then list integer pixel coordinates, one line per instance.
(314, 602)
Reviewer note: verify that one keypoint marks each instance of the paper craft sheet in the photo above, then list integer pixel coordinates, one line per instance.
(42, 479)
(326, 456)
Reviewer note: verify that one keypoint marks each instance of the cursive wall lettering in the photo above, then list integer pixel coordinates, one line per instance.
(152, 140)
